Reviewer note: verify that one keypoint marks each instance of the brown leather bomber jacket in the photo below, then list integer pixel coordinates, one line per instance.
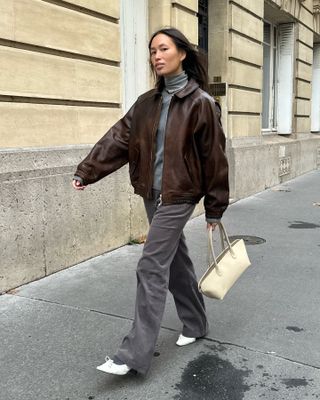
(194, 161)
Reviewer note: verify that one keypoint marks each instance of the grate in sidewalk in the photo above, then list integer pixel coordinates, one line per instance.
(250, 240)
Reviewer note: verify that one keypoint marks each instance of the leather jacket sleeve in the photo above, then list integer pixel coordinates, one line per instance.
(109, 153)
(211, 145)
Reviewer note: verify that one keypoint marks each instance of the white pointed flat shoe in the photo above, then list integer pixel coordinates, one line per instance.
(111, 368)
(184, 340)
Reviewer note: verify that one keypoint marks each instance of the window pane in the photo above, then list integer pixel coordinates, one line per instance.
(275, 33)
(315, 103)
(274, 90)
(285, 78)
(266, 86)
(267, 33)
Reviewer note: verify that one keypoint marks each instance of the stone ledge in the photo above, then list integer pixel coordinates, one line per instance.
(270, 139)
(262, 160)
(35, 159)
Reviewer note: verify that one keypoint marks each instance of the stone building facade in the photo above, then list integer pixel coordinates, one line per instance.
(266, 53)
(71, 68)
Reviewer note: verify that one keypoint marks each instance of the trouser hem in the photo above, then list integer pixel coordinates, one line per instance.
(139, 369)
(191, 334)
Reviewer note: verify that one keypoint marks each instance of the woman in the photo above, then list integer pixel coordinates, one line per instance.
(174, 143)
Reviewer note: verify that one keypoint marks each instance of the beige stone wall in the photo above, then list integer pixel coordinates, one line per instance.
(60, 87)
(60, 80)
(181, 14)
(236, 57)
(316, 17)
(303, 78)
(303, 13)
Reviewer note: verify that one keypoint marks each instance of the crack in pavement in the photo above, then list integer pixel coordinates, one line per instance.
(213, 340)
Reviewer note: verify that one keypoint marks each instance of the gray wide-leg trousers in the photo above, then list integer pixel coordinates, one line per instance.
(165, 264)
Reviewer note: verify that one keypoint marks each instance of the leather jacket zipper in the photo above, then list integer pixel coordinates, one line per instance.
(164, 148)
(154, 145)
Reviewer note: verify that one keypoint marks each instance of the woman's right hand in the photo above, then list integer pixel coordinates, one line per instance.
(77, 185)
(212, 225)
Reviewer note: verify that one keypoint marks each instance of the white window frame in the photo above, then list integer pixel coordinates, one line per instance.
(285, 73)
(272, 89)
(281, 77)
(315, 99)
(134, 50)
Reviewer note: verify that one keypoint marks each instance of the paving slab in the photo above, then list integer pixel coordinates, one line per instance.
(264, 335)
(273, 307)
(49, 352)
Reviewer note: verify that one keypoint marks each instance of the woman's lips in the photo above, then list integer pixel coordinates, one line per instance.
(159, 66)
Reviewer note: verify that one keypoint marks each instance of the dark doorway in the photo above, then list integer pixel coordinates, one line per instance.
(203, 25)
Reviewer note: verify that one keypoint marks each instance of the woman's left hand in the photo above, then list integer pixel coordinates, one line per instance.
(77, 185)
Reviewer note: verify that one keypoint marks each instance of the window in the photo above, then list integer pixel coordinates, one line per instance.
(269, 77)
(277, 89)
(285, 78)
(315, 102)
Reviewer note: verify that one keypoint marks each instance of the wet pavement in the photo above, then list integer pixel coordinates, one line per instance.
(264, 336)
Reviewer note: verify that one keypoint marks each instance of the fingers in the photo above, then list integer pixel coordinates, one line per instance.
(212, 225)
(77, 185)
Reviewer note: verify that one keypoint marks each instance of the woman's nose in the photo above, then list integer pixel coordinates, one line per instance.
(157, 55)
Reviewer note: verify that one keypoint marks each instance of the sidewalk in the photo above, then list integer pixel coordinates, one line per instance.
(264, 339)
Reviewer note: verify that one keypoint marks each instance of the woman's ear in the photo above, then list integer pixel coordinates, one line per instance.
(183, 55)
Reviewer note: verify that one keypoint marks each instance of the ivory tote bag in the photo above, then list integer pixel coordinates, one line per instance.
(225, 269)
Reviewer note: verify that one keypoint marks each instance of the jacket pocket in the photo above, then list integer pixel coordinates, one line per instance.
(193, 172)
(186, 163)
(134, 166)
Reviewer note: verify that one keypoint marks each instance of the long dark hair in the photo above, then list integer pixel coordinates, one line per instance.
(194, 64)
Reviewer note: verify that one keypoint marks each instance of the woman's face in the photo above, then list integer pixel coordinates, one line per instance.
(165, 57)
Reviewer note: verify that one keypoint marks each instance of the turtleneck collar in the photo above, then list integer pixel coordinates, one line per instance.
(176, 82)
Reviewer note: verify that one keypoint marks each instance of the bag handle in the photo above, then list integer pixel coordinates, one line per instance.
(223, 232)
(225, 242)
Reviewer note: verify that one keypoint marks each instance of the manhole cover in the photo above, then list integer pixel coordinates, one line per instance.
(248, 239)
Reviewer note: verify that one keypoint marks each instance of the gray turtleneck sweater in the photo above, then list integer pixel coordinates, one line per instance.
(172, 85)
